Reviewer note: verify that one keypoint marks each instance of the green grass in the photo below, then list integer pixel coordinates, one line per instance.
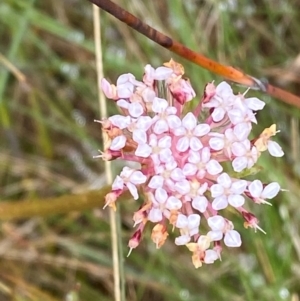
(48, 138)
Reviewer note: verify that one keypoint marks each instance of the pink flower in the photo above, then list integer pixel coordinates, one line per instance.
(259, 192)
(189, 133)
(227, 192)
(129, 178)
(221, 227)
(182, 159)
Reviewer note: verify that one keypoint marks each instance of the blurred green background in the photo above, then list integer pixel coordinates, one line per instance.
(48, 101)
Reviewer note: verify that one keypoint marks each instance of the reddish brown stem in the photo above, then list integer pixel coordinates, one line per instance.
(227, 72)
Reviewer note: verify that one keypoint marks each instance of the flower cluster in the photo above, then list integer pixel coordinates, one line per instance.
(181, 156)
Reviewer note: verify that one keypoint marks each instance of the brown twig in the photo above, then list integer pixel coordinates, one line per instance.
(227, 72)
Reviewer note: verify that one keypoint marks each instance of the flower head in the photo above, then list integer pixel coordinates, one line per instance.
(183, 176)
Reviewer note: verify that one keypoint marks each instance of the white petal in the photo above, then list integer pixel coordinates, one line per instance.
(153, 140)
(135, 109)
(216, 143)
(137, 177)
(159, 105)
(216, 222)
(120, 121)
(160, 127)
(239, 164)
(242, 130)
(216, 190)
(270, 191)
(156, 182)
(133, 190)
(118, 183)
(193, 221)
(182, 144)
(189, 169)
(173, 121)
(124, 78)
(275, 149)
(182, 221)
(210, 256)
(215, 235)
(201, 130)
(126, 172)
(165, 142)
(254, 103)
(139, 136)
(107, 89)
(194, 157)
(238, 187)
(238, 149)
(218, 114)
(122, 103)
(161, 195)
(224, 180)
(193, 231)
(223, 88)
(173, 203)
(143, 150)
(232, 239)
(195, 144)
(125, 90)
(183, 187)
(203, 188)
(200, 203)
(177, 175)
(148, 94)
(236, 116)
(220, 203)
(236, 200)
(179, 131)
(118, 143)
(162, 73)
(189, 121)
(171, 111)
(144, 122)
(155, 215)
(205, 155)
(214, 167)
(182, 240)
(165, 155)
(256, 188)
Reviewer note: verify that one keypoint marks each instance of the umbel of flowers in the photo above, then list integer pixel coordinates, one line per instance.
(181, 154)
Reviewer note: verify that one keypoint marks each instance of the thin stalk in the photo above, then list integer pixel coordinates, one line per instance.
(227, 72)
(119, 295)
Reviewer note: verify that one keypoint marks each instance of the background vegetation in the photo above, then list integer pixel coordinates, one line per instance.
(48, 101)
